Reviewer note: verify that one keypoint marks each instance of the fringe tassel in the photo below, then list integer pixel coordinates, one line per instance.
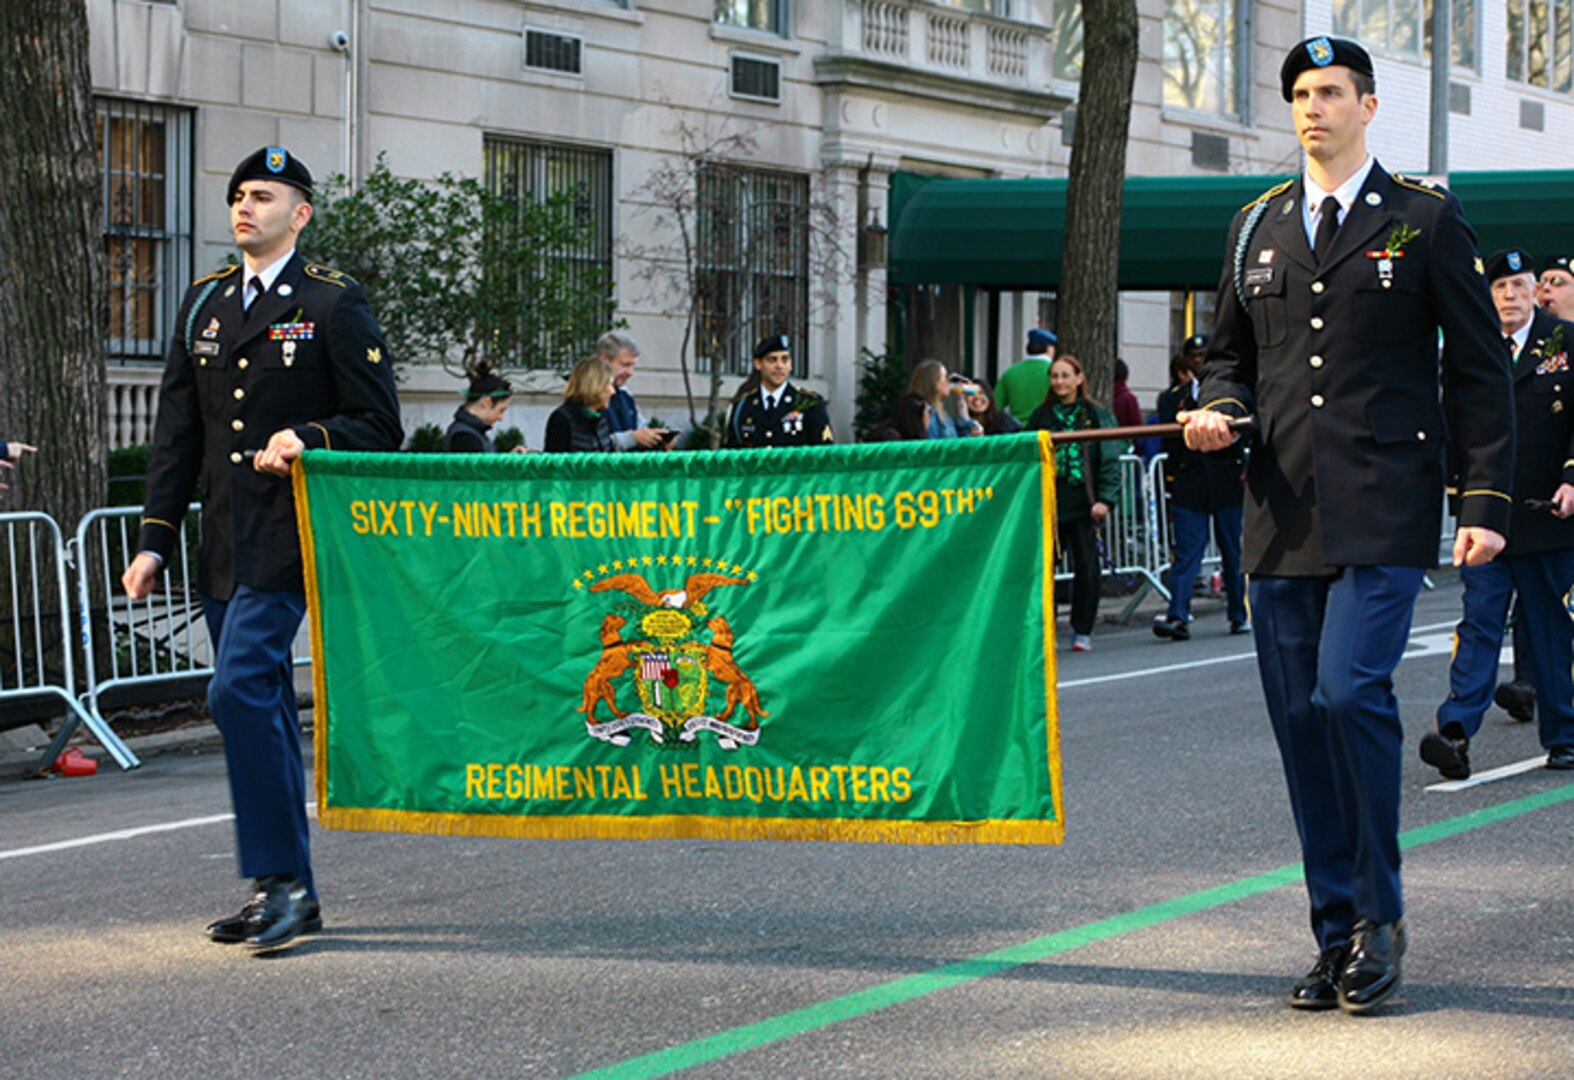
(688, 827)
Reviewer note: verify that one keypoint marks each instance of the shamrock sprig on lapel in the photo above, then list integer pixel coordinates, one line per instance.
(1394, 248)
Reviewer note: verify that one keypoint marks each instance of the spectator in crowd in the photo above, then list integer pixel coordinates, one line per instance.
(986, 412)
(1087, 486)
(580, 424)
(1128, 413)
(1025, 384)
(1200, 487)
(1555, 290)
(9, 453)
(486, 402)
(630, 431)
(909, 421)
(769, 410)
(931, 382)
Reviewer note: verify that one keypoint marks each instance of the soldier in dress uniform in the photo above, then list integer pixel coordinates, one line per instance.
(268, 359)
(770, 411)
(1539, 559)
(1334, 289)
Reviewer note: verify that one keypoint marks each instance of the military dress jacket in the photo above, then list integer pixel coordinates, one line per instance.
(1544, 434)
(1338, 358)
(800, 418)
(1197, 481)
(308, 356)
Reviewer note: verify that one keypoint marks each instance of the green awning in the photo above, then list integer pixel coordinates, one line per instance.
(1009, 234)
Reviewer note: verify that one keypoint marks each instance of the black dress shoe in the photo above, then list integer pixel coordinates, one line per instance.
(287, 909)
(1371, 974)
(1173, 629)
(1451, 757)
(1319, 987)
(245, 923)
(1517, 698)
(1561, 757)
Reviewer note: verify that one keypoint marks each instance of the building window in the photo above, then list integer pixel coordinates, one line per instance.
(1001, 8)
(1464, 36)
(144, 158)
(1391, 25)
(1539, 52)
(1068, 40)
(1202, 55)
(539, 171)
(767, 15)
(753, 263)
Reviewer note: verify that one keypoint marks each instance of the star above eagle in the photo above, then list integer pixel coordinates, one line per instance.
(694, 589)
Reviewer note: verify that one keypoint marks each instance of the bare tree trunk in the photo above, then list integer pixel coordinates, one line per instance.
(51, 260)
(1089, 300)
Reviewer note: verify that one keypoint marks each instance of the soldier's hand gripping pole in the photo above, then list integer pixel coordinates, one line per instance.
(1246, 425)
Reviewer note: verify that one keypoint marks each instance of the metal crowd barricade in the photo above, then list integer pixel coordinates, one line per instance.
(1130, 548)
(39, 656)
(162, 639)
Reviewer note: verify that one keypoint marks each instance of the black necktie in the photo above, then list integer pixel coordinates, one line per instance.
(770, 402)
(1509, 344)
(1327, 226)
(253, 290)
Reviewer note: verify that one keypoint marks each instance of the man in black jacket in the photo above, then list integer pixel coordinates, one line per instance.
(268, 359)
(1201, 488)
(1539, 559)
(1335, 287)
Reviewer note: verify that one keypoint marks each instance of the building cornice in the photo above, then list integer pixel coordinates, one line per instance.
(842, 71)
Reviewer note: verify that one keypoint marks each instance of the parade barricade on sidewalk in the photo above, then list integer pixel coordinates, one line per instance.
(132, 646)
(38, 658)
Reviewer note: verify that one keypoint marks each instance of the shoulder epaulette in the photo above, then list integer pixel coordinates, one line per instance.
(228, 270)
(1420, 184)
(1277, 189)
(329, 274)
(807, 399)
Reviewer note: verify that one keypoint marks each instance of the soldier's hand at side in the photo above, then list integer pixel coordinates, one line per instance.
(1206, 429)
(1564, 498)
(1475, 546)
(140, 575)
(282, 449)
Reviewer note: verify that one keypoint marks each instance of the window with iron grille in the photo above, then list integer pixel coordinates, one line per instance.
(753, 261)
(756, 78)
(144, 156)
(539, 171)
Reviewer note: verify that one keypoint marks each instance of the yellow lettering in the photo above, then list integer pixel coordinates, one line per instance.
(585, 782)
(901, 791)
(494, 781)
(360, 517)
(559, 519)
(712, 784)
(732, 776)
(530, 520)
(475, 781)
(841, 781)
(620, 784)
(819, 783)
(795, 786)
(879, 779)
(753, 787)
(514, 781)
(639, 790)
(860, 783)
(671, 781)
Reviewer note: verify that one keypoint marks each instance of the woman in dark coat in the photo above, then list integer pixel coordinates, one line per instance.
(580, 424)
(1087, 486)
(486, 401)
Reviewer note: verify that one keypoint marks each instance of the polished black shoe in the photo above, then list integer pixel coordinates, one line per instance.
(1451, 757)
(1371, 974)
(1561, 757)
(249, 920)
(1319, 987)
(1240, 627)
(1517, 698)
(287, 909)
(1174, 629)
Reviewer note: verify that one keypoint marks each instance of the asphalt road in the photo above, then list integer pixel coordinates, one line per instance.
(1158, 941)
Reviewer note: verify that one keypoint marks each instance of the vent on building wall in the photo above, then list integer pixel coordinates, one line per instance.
(1459, 98)
(1210, 151)
(756, 79)
(546, 51)
(1532, 115)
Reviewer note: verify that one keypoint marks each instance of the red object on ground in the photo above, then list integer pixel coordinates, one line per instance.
(75, 763)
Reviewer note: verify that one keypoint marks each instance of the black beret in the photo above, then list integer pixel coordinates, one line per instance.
(1558, 262)
(1196, 342)
(773, 343)
(1321, 52)
(271, 163)
(1508, 262)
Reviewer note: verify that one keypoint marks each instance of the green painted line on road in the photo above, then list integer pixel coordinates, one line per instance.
(861, 1002)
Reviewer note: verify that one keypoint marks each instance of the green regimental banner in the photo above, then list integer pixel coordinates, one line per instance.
(826, 643)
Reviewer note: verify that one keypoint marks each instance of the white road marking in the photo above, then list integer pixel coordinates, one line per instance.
(1490, 775)
(125, 834)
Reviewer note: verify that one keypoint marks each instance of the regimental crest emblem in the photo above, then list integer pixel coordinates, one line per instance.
(1321, 50)
(277, 156)
(675, 655)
